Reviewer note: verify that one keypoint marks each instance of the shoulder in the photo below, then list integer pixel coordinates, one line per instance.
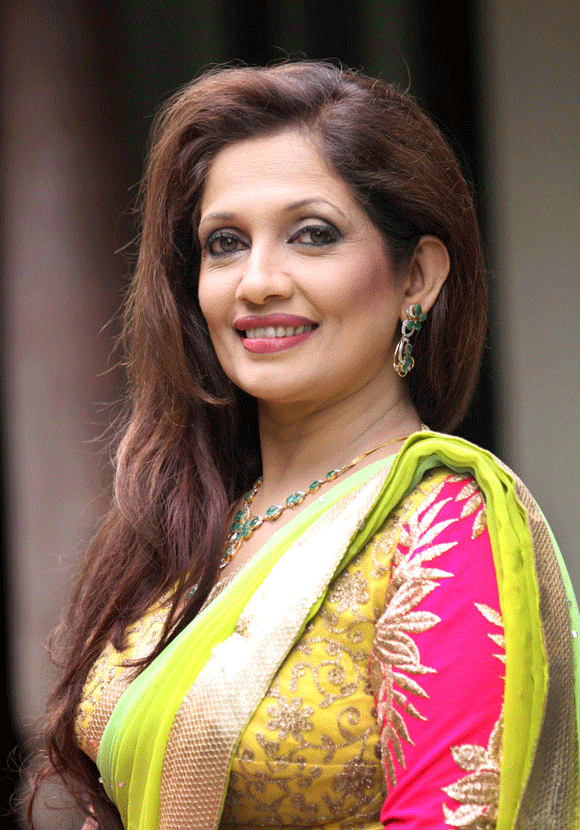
(425, 450)
(445, 510)
(443, 497)
(499, 487)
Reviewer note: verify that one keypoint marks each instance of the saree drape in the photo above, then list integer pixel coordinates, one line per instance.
(166, 750)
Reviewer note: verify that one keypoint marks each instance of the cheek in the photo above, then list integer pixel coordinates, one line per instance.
(201, 295)
(374, 293)
(375, 308)
(209, 302)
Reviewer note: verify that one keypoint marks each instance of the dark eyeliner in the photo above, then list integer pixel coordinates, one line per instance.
(215, 236)
(333, 233)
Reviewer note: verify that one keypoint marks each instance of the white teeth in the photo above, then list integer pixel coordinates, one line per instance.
(276, 331)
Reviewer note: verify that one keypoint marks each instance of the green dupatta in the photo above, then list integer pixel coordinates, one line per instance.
(166, 751)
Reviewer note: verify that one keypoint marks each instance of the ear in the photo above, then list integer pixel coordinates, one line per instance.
(427, 272)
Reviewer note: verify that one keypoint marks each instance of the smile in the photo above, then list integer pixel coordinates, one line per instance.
(264, 340)
(276, 332)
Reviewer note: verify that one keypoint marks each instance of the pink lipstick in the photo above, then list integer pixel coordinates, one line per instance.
(270, 333)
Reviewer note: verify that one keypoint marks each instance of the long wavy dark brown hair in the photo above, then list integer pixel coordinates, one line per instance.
(189, 445)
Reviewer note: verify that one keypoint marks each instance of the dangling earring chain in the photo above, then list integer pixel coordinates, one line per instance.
(404, 360)
(245, 523)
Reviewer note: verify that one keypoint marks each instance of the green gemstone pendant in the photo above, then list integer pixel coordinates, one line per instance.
(294, 499)
(238, 519)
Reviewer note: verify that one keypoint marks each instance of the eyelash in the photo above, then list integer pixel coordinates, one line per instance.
(330, 230)
(333, 235)
(216, 236)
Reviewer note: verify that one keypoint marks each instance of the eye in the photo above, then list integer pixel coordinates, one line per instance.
(316, 235)
(222, 243)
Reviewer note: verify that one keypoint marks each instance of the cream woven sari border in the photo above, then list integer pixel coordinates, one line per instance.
(230, 686)
(550, 798)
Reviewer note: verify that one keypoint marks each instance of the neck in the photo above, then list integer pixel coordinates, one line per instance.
(296, 450)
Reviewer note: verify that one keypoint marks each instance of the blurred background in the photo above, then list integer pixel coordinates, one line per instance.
(81, 82)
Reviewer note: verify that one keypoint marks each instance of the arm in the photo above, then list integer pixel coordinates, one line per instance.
(437, 667)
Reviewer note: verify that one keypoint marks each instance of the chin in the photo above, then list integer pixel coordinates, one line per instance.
(278, 394)
(276, 388)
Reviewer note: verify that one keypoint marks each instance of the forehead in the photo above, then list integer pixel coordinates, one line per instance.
(287, 165)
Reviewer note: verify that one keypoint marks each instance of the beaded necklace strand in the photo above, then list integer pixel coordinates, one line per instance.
(244, 523)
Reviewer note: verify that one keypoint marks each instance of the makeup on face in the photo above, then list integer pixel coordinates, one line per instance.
(295, 284)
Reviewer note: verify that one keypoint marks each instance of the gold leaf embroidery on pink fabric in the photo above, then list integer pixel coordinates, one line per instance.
(455, 478)
(395, 655)
(469, 489)
(474, 506)
(494, 618)
(480, 523)
(478, 792)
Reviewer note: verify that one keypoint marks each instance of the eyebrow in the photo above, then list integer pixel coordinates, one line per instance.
(227, 216)
(222, 215)
(313, 201)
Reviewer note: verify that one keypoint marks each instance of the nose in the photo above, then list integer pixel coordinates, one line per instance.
(263, 277)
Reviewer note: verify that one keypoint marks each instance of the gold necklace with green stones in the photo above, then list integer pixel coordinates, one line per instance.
(244, 524)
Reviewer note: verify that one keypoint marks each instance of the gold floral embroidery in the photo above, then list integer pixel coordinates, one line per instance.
(349, 592)
(333, 666)
(395, 655)
(474, 506)
(289, 717)
(382, 546)
(478, 792)
(355, 778)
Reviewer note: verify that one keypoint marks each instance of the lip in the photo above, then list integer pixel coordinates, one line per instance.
(272, 345)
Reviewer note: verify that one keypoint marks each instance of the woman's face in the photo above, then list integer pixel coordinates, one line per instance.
(295, 282)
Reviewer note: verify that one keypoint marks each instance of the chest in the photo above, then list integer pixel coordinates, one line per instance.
(310, 753)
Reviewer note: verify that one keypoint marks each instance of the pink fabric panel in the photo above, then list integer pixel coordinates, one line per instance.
(466, 690)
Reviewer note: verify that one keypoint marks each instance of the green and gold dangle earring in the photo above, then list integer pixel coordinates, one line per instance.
(404, 360)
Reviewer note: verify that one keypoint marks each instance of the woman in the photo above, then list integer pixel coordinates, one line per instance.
(305, 608)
